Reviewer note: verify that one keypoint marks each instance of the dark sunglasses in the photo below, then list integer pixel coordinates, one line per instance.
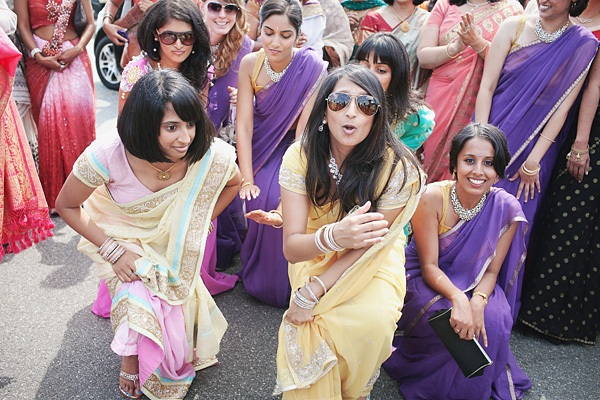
(338, 101)
(215, 8)
(168, 37)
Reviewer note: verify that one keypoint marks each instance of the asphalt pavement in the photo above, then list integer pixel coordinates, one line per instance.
(53, 347)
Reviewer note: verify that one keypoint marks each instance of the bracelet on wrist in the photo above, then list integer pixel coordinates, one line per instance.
(316, 278)
(529, 171)
(302, 301)
(33, 52)
(482, 295)
(111, 251)
(244, 184)
(483, 48)
(578, 153)
(280, 216)
(448, 53)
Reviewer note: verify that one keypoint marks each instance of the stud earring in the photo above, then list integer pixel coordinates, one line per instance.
(193, 51)
(454, 175)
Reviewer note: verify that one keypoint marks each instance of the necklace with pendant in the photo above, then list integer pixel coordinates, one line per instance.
(334, 170)
(275, 76)
(476, 6)
(404, 25)
(549, 37)
(163, 175)
(214, 48)
(462, 212)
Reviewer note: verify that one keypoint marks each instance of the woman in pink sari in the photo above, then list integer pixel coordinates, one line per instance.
(454, 44)
(59, 76)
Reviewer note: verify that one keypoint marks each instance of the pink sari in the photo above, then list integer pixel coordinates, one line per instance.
(453, 86)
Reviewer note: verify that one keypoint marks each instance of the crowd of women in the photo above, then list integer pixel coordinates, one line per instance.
(449, 162)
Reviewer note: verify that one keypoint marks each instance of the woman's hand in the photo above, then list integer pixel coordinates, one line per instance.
(125, 268)
(477, 308)
(232, 95)
(111, 31)
(354, 20)
(265, 218)
(578, 169)
(297, 315)
(360, 229)
(461, 317)
(50, 62)
(68, 56)
(249, 192)
(302, 39)
(468, 33)
(529, 182)
(145, 4)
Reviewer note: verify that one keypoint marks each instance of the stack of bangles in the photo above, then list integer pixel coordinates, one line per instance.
(529, 171)
(578, 153)
(330, 244)
(305, 303)
(109, 16)
(111, 251)
(244, 183)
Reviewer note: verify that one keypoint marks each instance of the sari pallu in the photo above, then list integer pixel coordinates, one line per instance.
(453, 86)
(277, 107)
(179, 325)
(338, 354)
(23, 209)
(535, 80)
(465, 252)
(63, 106)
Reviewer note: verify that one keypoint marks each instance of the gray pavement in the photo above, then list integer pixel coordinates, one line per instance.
(53, 347)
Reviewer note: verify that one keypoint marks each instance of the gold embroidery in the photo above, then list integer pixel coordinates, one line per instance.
(492, 10)
(165, 390)
(149, 204)
(373, 378)
(86, 173)
(393, 197)
(292, 180)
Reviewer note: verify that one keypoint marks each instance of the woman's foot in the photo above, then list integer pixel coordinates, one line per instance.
(129, 379)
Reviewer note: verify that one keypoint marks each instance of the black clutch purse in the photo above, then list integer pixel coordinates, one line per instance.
(79, 18)
(468, 354)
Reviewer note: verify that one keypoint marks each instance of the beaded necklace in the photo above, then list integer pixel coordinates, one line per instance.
(549, 37)
(462, 212)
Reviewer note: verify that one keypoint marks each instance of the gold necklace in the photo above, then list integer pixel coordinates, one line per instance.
(163, 175)
(404, 26)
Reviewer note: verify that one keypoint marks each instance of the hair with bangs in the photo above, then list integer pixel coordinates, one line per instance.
(483, 131)
(365, 163)
(387, 49)
(195, 67)
(140, 121)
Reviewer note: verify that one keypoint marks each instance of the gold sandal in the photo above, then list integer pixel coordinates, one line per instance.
(132, 378)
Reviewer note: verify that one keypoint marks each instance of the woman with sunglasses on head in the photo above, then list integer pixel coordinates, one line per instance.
(348, 189)
(465, 233)
(172, 35)
(276, 90)
(150, 195)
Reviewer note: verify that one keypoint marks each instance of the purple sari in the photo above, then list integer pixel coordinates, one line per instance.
(230, 225)
(420, 361)
(277, 106)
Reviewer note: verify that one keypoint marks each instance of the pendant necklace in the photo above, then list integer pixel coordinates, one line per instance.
(334, 169)
(214, 48)
(404, 25)
(462, 212)
(476, 6)
(163, 175)
(275, 76)
(549, 37)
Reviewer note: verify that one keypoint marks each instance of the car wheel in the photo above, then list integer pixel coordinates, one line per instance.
(107, 65)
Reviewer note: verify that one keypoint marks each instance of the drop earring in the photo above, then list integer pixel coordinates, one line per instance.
(321, 126)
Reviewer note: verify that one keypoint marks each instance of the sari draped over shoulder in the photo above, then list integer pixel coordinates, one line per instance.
(414, 130)
(23, 209)
(339, 353)
(453, 86)
(535, 80)
(174, 321)
(277, 107)
(465, 252)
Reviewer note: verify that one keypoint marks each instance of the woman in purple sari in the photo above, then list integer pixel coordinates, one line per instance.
(465, 232)
(283, 82)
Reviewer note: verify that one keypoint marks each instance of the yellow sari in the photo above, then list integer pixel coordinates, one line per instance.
(338, 355)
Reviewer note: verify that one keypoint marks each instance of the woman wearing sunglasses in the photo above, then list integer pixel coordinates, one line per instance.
(348, 189)
(276, 89)
(172, 35)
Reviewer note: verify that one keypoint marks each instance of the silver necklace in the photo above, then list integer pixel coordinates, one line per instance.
(585, 20)
(476, 6)
(334, 169)
(214, 48)
(548, 37)
(275, 76)
(462, 212)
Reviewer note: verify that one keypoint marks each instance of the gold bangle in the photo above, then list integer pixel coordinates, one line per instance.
(448, 53)
(547, 138)
(211, 228)
(530, 172)
(483, 48)
(280, 216)
(587, 149)
(483, 296)
(247, 184)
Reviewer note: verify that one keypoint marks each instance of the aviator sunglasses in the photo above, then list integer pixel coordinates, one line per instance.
(168, 37)
(368, 105)
(215, 8)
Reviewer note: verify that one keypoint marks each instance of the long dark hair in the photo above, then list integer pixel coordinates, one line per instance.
(388, 49)
(195, 67)
(365, 163)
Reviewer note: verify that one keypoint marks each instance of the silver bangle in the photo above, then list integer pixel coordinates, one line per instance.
(33, 52)
(302, 302)
(330, 240)
(318, 242)
(316, 278)
(311, 293)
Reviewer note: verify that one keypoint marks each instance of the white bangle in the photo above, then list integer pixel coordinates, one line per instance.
(318, 242)
(33, 52)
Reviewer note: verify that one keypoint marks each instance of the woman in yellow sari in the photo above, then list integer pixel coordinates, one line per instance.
(346, 262)
(150, 196)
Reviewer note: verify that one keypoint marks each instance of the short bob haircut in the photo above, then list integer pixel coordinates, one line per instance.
(139, 123)
(388, 49)
(195, 67)
(363, 166)
(483, 131)
(415, 2)
(291, 8)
